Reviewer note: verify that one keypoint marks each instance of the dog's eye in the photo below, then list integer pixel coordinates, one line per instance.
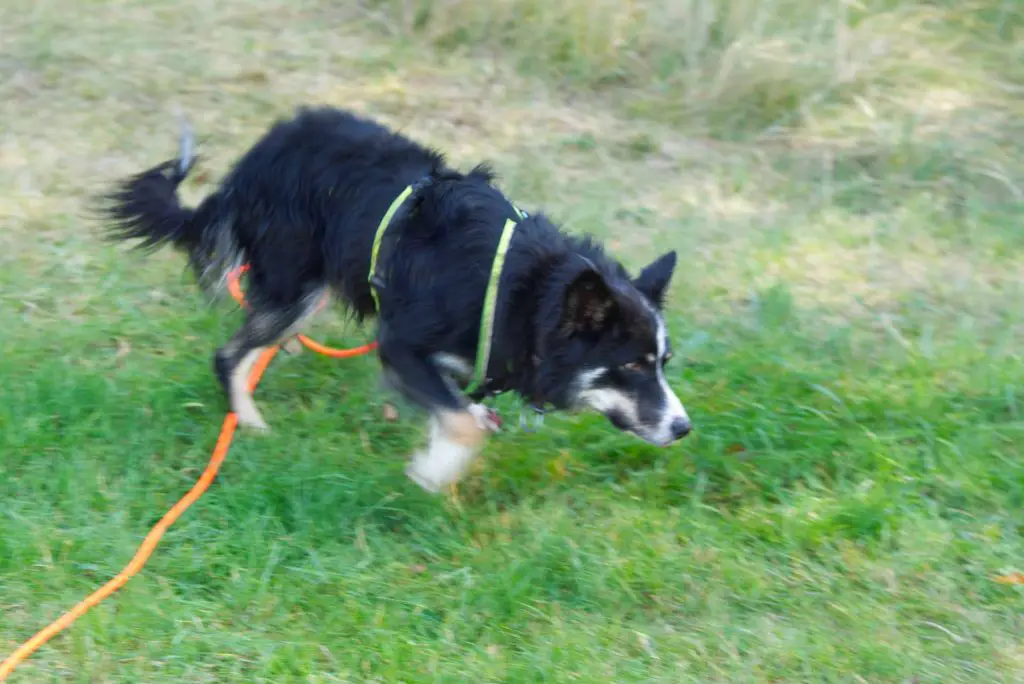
(632, 367)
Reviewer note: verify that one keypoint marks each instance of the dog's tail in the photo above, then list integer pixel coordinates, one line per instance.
(145, 208)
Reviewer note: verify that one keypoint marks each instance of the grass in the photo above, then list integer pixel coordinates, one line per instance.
(847, 316)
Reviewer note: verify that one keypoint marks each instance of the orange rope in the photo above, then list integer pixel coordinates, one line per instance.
(236, 291)
(148, 545)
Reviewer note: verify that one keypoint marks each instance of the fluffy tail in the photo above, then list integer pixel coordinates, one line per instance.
(145, 208)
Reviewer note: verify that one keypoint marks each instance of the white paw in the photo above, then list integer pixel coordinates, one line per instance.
(441, 464)
(413, 472)
(486, 419)
(293, 346)
(249, 418)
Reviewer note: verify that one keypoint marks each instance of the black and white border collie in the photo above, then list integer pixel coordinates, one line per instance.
(572, 329)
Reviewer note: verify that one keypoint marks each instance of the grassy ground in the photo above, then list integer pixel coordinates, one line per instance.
(843, 182)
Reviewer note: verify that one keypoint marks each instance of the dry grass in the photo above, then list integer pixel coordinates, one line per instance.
(711, 197)
(758, 111)
(742, 67)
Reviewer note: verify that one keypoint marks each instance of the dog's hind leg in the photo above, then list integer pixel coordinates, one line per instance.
(264, 326)
(292, 345)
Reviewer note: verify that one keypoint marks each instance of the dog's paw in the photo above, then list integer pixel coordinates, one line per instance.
(441, 464)
(259, 428)
(293, 346)
(486, 419)
(250, 419)
(417, 474)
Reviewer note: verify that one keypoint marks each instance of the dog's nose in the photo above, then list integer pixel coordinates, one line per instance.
(680, 428)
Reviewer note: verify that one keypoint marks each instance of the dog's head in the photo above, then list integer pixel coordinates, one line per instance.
(606, 347)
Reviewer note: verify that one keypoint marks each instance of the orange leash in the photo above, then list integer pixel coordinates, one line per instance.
(236, 291)
(148, 545)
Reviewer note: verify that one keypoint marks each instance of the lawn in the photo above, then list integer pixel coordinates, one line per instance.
(844, 185)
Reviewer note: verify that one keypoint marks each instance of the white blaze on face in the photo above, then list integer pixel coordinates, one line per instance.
(673, 408)
(655, 413)
(605, 399)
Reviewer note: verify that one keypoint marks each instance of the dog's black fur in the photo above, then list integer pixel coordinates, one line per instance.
(302, 206)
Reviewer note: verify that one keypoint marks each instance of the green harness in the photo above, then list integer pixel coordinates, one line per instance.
(483, 350)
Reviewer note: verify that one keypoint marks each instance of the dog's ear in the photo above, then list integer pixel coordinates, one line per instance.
(589, 303)
(654, 279)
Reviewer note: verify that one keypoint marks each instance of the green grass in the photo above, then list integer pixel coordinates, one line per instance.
(847, 316)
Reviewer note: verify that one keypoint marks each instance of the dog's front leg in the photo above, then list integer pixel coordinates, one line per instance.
(456, 437)
(458, 429)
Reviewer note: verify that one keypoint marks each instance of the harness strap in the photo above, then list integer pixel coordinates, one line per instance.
(483, 347)
(381, 228)
(483, 350)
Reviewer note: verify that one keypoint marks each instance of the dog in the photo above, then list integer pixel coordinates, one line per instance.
(303, 208)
